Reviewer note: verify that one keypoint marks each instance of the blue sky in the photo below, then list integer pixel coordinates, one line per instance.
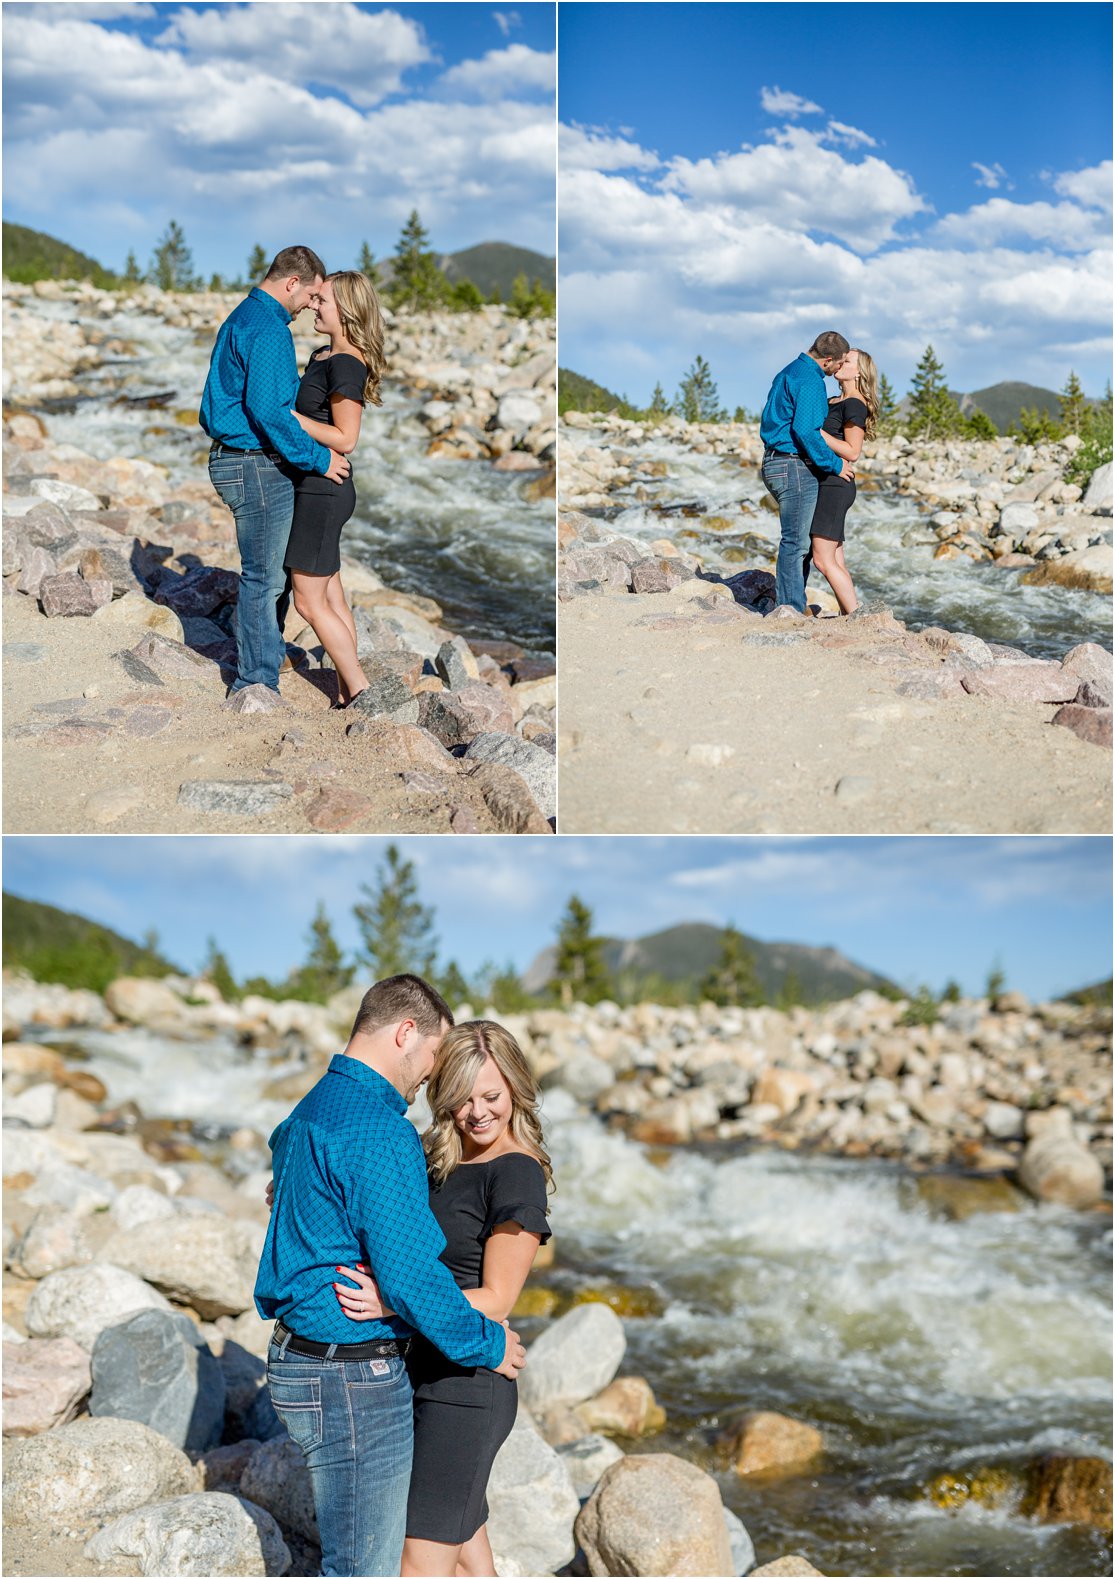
(321, 121)
(907, 173)
(914, 909)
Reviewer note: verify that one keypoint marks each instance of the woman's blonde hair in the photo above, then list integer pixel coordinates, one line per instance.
(867, 382)
(362, 321)
(460, 1059)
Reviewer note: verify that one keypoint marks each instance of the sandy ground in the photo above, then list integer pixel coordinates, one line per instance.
(645, 714)
(62, 776)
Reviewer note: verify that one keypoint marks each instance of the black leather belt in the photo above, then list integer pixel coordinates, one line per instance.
(219, 444)
(379, 1349)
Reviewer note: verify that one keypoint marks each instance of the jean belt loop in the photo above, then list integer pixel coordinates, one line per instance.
(287, 1335)
(332, 1351)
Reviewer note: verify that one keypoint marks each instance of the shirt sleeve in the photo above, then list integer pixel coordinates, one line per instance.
(855, 413)
(390, 1210)
(347, 376)
(518, 1195)
(810, 411)
(271, 377)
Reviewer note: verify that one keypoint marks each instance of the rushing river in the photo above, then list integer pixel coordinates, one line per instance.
(456, 531)
(889, 551)
(818, 1287)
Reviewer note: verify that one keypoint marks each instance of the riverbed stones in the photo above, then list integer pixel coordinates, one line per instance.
(200, 1534)
(1022, 682)
(45, 1382)
(655, 1514)
(768, 1443)
(574, 1359)
(1092, 724)
(91, 1470)
(456, 664)
(387, 697)
(1055, 1167)
(1064, 1490)
(741, 1544)
(532, 1504)
(277, 1478)
(586, 1458)
(234, 797)
(458, 717)
(507, 797)
(56, 1238)
(533, 764)
(140, 1000)
(626, 1407)
(208, 1262)
(792, 1567)
(156, 1367)
(66, 595)
(1098, 495)
(80, 1302)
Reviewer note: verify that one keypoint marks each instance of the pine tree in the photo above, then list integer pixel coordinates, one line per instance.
(934, 414)
(980, 426)
(325, 971)
(996, 981)
(257, 263)
(131, 270)
(790, 993)
(218, 972)
(453, 986)
(396, 928)
(416, 280)
(465, 297)
(732, 979)
(579, 969)
(216, 283)
(172, 265)
(659, 406)
(697, 397)
(366, 265)
(530, 299)
(951, 991)
(888, 421)
(1074, 406)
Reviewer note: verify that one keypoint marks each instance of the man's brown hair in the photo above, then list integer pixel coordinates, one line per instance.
(398, 998)
(302, 261)
(830, 344)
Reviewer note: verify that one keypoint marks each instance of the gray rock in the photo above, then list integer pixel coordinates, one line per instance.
(743, 1547)
(855, 787)
(157, 1368)
(456, 664)
(67, 595)
(585, 1075)
(655, 1514)
(208, 1262)
(1098, 496)
(574, 1359)
(234, 797)
(45, 1381)
(203, 1533)
(534, 765)
(80, 1302)
(37, 565)
(22, 652)
(1055, 1167)
(586, 1460)
(1015, 520)
(1092, 665)
(173, 660)
(458, 717)
(139, 1203)
(277, 1479)
(63, 493)
(387, 697)
(89, 1471)
(532, 1504)
(56, 1238)
(1004, 1121)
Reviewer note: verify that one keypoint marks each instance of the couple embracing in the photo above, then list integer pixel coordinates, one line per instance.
(811, 445)
(400, 1418)
(279, 459)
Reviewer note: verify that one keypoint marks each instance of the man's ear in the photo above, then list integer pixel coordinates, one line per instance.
(402, 1031)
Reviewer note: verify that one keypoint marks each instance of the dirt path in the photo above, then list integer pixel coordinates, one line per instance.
(671, 722)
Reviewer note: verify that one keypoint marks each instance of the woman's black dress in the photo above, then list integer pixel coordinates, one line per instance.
(321, 507)
(835, 497)
(462, 1415)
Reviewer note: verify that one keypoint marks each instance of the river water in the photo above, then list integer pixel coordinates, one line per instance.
(818, 1287)
(889, 552)
(456, 531)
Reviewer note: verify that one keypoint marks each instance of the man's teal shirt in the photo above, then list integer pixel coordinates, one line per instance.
(795, 409)
(351, 1185)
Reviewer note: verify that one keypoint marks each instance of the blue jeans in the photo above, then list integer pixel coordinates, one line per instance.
(354, 1421)
(795, 487)
(259, 491)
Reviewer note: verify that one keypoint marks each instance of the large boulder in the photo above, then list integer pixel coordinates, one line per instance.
(573, 1359)
(45, 1380)
(1056, 1167)
(91, 1470)
(156, 1367)
(208, 1262)
(203, 1533)
(56, 1238)
(655, 1514)
(770, 1443)
(1063, 1490)
(139, 1000)
(1098, 496)
(80, 1302)
(532, 763)
(276, 1478)
(626, 1407)
(586, 1459)
(532, 1504)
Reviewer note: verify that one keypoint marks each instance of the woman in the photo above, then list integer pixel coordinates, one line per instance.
(337, 381)
(489, 1173)
(851, 418)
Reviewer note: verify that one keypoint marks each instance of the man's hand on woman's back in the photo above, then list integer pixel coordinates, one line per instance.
(514, 1355)
(339, 466)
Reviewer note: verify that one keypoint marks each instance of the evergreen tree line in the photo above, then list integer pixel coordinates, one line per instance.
(932, 413)
(414, 281)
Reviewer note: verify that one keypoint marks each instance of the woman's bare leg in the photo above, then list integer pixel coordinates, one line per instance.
(429, 1559)
(335, 597)
(829, 559)
(476, 1560)
(336, 634)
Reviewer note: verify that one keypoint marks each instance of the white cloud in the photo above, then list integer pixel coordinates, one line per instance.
(850, 136)
(991, 176)
(501, 73)
(364, 54)
(89, 10)
(1091, 187)
(506, 21)
(594, 148)
(776, 102)
(1063, 225)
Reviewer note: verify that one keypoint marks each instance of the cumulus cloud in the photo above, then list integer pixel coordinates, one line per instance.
(1063, 225)
(507, 21)
(501, 73)
(992, 176)
(595, 148)
(776, 102)
(364, 54)
(850, 136)
(1091, 187)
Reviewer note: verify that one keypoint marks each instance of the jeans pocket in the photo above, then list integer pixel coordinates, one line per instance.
(227, 478)
(297, 1402)
(375, 1373)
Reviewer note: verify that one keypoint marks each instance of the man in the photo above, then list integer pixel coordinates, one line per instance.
(791, 432)
(350, 1185)
(246, 411)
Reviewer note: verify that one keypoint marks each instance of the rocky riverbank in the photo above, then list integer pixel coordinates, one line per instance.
(120, 590)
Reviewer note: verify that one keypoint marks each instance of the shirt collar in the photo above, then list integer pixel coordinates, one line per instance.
(816, 366)
(269, 301)
(353, 1069)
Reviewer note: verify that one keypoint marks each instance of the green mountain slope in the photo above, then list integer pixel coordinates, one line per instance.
(576, 393)
(31, 255)
(1003, 402)
(57, 945)
(684, 954)
(493, 266)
